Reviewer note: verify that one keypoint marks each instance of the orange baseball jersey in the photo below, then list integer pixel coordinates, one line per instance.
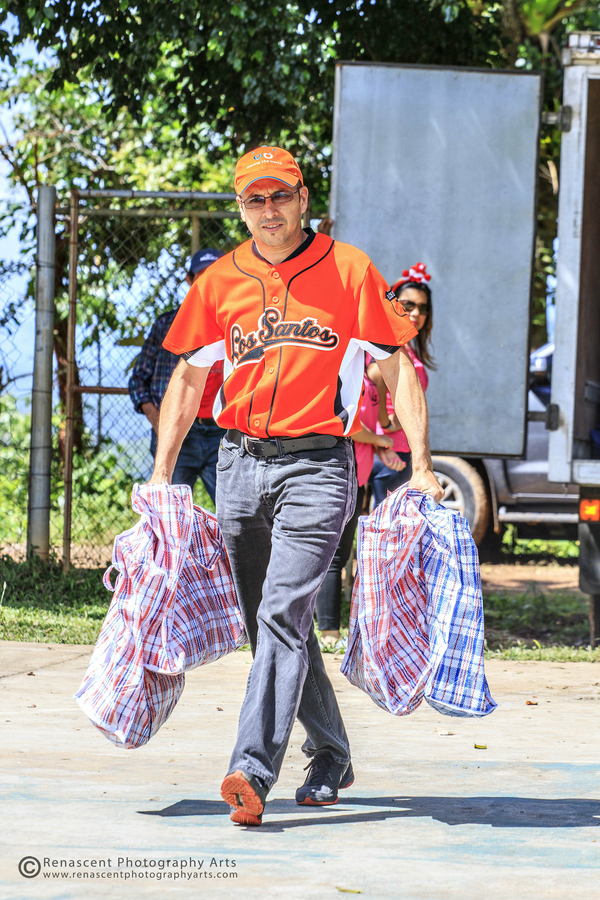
(292, 335)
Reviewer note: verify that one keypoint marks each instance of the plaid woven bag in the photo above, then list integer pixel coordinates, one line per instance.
(174, 608)
(416, 620)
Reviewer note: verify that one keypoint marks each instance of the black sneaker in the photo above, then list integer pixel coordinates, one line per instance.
(246, 795)
(324, 780)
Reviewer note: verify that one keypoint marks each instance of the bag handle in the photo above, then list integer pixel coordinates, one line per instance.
(106, 579)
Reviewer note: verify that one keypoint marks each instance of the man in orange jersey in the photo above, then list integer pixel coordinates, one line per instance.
(291, 313)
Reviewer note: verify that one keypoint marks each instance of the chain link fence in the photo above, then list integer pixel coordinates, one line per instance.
(132, 254)
(121, 261)
(17, 326)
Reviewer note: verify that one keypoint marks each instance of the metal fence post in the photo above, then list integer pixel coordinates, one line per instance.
(40, 458)
(195, 234)
(69, 423)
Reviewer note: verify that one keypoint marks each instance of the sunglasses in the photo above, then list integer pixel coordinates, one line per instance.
(279, 198)
(408, 306)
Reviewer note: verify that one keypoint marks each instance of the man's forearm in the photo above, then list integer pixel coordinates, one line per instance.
(178, 410)
(410, 406)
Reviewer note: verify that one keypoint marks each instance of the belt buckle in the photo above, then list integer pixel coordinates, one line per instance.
(249, 448)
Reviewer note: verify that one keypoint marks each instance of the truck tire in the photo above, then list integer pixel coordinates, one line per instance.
(464, 491)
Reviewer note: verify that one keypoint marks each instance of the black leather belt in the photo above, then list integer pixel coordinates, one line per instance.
(209, 421)
(263, 447)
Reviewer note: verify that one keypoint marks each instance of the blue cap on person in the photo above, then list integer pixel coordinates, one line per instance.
(202, 259)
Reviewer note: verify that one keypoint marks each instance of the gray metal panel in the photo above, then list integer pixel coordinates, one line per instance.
(440, 166)
(561, 466)
(568, 274)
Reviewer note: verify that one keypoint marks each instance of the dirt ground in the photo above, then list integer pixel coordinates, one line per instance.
(518, 578)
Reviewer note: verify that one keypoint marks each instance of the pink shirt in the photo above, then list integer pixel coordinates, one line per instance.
(368, 416)
(399, 438)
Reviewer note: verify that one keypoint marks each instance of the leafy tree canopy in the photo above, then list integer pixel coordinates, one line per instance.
(166, 94)
(229, 75)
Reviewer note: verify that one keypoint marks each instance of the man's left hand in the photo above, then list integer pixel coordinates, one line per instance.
(426, 482)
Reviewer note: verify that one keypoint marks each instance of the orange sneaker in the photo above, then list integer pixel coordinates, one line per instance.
(246, 795)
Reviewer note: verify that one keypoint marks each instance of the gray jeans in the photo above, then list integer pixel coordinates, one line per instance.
(281, 519)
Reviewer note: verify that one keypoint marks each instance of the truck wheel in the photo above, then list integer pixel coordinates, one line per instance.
(464, 491)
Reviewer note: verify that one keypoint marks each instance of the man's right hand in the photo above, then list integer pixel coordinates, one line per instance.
(156, 479)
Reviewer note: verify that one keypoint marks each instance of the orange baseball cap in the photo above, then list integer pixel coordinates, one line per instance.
(266, 162)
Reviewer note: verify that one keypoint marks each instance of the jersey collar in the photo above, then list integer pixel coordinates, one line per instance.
(301, 249)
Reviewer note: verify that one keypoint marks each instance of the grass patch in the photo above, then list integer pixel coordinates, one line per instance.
(41, 603)
(552, 627)
(68, 627)
(521, 653)
(548, 618)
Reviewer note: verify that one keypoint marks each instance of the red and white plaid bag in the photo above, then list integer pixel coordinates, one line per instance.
(174, 608)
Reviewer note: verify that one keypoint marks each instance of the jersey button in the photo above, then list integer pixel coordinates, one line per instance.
(256, 423)
(271, 370)
(275, 274)
(274, 299)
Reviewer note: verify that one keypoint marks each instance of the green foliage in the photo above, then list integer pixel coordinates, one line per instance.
(63, 137)
(166, 96)
(44, 586)
(41, 603)
(539, 549)
(14, 447)
(541, 17)
(534, 31)
(99, 484)
(201, 497)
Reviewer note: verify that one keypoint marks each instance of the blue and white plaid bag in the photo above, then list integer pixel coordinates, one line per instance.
(416, 621)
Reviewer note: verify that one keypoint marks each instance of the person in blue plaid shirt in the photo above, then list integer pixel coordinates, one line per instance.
(148, 383)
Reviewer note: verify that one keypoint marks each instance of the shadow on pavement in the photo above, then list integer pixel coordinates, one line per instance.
(499, 812)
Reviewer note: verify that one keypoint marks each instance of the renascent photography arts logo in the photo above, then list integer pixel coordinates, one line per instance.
(273, 332)
(125, 868)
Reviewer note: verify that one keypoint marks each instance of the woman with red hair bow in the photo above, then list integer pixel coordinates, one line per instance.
(391, 467)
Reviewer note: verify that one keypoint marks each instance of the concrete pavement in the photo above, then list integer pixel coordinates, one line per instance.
(428, 818)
